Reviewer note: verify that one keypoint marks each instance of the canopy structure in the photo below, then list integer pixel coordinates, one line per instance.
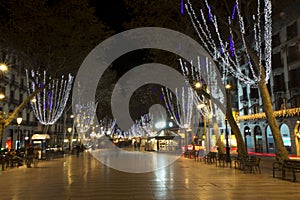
(40, 137)
(165, 134)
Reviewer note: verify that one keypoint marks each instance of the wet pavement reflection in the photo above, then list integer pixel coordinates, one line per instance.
(84, 177)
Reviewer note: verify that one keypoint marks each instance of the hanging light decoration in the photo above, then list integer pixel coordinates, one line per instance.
(229, 57)
(51, 100)
(84, 116)
(181, 111)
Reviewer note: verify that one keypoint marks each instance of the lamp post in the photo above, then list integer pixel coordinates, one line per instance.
(70, 134)
(19, 121)
(227, 86)
(227, 142)
(3, 68)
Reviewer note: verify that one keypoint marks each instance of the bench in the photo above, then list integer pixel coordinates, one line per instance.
(210, 158)
(223, 160)
(290, 165)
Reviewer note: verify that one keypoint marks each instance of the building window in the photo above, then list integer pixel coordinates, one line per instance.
(279, 84)
(13, 78)
(28, 118)
(21, 98)
(291, 31)
(12, 95)
(246, 109)
(254, 93)
(275, 40)
(293, 53)
(294, 81)
(276, 60)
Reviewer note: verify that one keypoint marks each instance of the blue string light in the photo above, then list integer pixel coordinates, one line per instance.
(234, 11)
(209, 14)
(182, 7)
(231, 47)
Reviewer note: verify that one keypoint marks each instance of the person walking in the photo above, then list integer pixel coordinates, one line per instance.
(29, 154)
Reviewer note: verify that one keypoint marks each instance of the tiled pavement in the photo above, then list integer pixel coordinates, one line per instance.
(84, 177)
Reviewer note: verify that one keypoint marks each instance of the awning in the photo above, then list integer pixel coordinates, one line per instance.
(165, 134)
(40, 137)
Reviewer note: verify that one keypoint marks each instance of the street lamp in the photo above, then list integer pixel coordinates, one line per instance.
(3, 68)
(228, 87)
(227, 142)
(197, 85)
(19, 121)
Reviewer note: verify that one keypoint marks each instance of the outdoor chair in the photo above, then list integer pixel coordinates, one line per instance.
(252, 165)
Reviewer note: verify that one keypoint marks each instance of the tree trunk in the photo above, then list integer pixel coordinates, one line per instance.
(219, 143)
(1, 129)
(241, 147)
(5, 122)
(281, 152)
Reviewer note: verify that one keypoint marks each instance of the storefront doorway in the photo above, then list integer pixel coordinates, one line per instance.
(248, 139)
(258, 142)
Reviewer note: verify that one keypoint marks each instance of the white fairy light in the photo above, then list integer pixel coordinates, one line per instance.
(182, 110)
(84, 116)
(220, 51)
(268, 37)
(51, 100)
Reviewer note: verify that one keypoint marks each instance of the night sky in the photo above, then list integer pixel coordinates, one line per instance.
(112, 12)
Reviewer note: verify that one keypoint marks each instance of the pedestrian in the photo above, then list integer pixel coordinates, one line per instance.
(135, 145)
(29, 156)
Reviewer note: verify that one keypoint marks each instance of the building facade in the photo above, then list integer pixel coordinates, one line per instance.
(284, 88)
(13, 84)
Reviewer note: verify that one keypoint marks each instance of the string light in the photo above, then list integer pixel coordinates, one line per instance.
(182, 7)
(182, 110)
(234, 11)
(227, 56)
(51, 100)
(84, 116)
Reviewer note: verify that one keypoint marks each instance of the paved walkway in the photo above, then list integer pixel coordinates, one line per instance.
(85, 178)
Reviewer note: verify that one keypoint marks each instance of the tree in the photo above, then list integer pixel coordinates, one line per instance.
(168, 14)
(4, 122)
(245, 41)
(51, 35)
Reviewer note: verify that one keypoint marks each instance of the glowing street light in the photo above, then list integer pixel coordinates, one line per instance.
(19, 121)
(3, 67)
(197, 85)
(2, 95)
(200, 106)
(228, 86)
